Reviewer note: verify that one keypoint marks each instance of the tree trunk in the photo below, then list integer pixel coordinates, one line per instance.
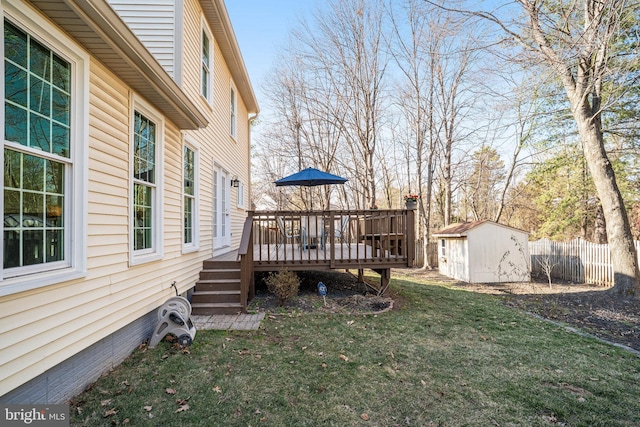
(623, 254)
(600, 226)
(582, 77)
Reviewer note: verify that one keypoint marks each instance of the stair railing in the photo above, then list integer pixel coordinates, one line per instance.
(245, 255)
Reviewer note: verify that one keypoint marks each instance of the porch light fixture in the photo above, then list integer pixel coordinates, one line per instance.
(235, 182)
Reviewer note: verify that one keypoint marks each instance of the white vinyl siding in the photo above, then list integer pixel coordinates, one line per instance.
(154, 24)
(107, 292)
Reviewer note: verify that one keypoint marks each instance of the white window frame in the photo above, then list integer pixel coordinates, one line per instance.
(205, 31)
(195, 242)
(233, 113)
(241, 195)
(154, 253)
(76, 172)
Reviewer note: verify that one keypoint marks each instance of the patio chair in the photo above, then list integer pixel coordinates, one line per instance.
(285, 234)
(341, 232)
(312, 229)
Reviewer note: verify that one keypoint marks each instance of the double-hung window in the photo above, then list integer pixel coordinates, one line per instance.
(233, 115)
(206, 65)
(189, 199)
(146, 190)
(43, 154)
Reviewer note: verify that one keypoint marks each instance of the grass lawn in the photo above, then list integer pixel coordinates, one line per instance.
(444, 358)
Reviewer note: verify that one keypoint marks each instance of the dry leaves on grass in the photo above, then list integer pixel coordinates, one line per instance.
(109, 413)
(183, 405)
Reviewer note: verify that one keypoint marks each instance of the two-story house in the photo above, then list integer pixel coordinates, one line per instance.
(126, 164)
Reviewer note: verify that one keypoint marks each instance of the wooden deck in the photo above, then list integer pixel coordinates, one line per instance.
(277, 255)
(362, 239)
(332, 239)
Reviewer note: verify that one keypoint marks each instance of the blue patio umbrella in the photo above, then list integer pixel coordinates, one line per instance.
(310, 177)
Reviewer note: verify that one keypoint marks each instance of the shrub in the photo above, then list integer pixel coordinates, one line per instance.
(283, 284)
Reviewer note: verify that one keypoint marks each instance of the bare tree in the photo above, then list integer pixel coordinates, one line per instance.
(577, 41)
(547, 265)
(345, 48)
(415, 38)
(303, 133)
(454, 101)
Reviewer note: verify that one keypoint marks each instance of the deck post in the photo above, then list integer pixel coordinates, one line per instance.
(385, 278)
(411, 237)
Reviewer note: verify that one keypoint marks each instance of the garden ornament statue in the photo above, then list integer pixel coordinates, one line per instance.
(322, 290)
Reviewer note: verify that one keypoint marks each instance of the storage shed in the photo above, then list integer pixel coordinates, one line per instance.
(483, 252)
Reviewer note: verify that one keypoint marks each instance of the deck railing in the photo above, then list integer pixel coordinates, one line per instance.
(333, 239)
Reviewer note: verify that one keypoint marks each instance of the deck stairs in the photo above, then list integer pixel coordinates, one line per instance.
(218, 289)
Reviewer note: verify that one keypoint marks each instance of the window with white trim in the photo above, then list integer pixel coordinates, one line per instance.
(43, 156)
(206, 49)
(241, 195)
(146, 145)
(233, 123)
(190, 198)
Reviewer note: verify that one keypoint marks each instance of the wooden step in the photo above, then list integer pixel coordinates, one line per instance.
(220, 273)
(218, 289)
(215, 308)
(216, 296)
(218, 285)
(216, 265)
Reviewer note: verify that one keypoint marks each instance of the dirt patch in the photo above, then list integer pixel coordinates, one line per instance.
(344, 295)
(589, 308)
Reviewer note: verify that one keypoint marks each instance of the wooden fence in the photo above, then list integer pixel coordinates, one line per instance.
(432, 253)
(578, 261)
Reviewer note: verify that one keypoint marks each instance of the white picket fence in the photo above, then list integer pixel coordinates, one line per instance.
(578, 261)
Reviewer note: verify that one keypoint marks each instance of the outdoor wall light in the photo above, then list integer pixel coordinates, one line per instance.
(235, 182)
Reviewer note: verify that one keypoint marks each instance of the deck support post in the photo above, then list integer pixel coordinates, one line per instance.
(385, 278)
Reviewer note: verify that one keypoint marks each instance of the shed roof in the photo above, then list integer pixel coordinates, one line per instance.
(461, 229)
(458, 229)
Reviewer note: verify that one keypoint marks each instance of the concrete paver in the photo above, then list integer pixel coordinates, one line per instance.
(232, 322)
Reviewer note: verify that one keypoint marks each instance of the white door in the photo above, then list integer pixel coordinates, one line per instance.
(221, 202)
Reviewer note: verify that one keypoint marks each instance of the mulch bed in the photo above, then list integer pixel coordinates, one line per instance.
(345, 295)
(595, 312)
(590, 309)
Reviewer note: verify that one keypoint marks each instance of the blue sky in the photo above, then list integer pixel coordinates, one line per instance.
(262, 28)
